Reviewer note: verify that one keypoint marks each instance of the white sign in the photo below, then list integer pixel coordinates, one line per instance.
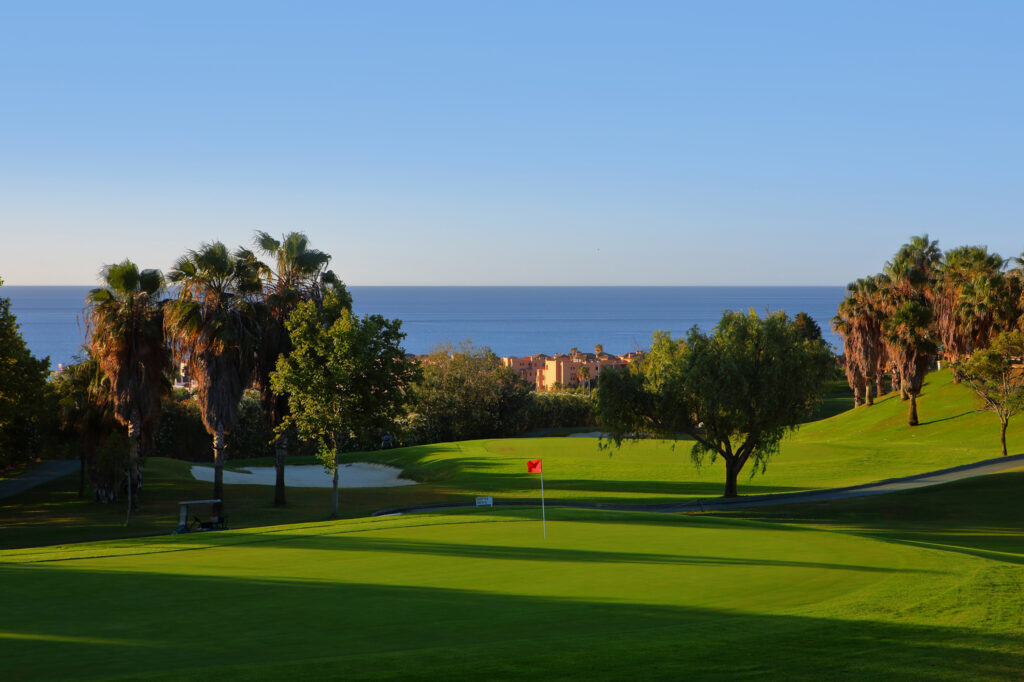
(486, 501)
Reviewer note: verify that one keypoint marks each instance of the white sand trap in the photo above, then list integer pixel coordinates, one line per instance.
(355, 475)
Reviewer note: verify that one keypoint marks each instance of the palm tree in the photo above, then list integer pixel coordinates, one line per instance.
(213, 325)
(842, 324)
(909, 338)
(299, 274)
(583, 375)
(126, 336)
(859, 323)
(86, 414)
(986, 306)
(908, 329)
(964, 297)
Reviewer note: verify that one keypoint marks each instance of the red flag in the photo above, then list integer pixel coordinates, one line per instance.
(533, 466)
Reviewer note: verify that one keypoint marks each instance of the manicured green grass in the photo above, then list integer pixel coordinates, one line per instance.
(980, 516)
(852, 447)
(482, 595)
(923, 584)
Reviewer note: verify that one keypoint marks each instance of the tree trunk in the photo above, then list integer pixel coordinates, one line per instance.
(133, 468)
(334, 484)
(218, 468)
(732, 474)
(280, 453)
(1002, 434)
(880, 385)
(858, 396)
(912, 417)
(81, 471)
(869, 398)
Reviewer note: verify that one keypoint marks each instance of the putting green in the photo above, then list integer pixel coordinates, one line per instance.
(481, 594)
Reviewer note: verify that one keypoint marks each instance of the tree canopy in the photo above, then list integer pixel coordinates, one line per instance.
(22, 392)
(126, 336)
(345, 378)
(926, 305)
(996, 375)
(736, 391)
(466, 393)
(297, 273)
(213, 325)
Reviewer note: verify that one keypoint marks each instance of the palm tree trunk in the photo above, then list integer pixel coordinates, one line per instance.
(912, 417)
(880, 385)
(869, 397)
(81, 470)
(218, 467)
(334, 484)
(133, 467)
(280, 453)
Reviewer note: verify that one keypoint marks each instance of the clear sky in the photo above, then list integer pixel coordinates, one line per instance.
(511, 143)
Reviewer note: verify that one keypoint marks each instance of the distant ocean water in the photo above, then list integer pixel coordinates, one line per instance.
(511, 320)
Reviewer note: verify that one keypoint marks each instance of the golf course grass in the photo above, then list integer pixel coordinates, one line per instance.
(480, 594)
(921, 584)
(851, 447)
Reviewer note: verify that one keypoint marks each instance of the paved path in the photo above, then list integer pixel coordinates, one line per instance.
(982, 468)
(44, 473)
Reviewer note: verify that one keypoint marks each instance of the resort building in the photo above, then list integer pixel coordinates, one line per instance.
(547, 372)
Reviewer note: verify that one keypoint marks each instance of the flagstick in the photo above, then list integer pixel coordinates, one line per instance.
(543, 514)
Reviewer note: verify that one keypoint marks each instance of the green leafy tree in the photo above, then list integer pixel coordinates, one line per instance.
(86, 418)
(345, 379)
(214, 325)
(126, 336)
(466, 393)
(23, 392)
(298, 273)
(736, 391)
(996, 375)
(809, 329)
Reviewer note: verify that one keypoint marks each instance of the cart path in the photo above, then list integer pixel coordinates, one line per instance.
(982, 468)
(44, 473)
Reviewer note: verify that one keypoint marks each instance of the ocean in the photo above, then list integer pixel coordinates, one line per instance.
(510, 320)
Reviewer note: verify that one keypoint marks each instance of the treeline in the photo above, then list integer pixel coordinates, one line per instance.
(242, 323)
(925, 306)
(27, 408)
(465, 393)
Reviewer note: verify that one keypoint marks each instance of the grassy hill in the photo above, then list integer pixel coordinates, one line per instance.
(854, 446)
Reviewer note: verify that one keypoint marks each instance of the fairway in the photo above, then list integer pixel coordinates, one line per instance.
(473, 594)
(853, 447)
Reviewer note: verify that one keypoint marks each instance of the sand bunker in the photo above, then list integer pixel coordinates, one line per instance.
(355, 475)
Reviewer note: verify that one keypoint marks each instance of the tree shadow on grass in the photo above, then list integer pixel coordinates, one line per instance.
(673, 491)
(666, 488)
(363, 543)
(61, 623)
(979, 516)
(946, 419)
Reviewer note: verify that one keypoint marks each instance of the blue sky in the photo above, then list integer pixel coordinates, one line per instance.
(511, 143)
